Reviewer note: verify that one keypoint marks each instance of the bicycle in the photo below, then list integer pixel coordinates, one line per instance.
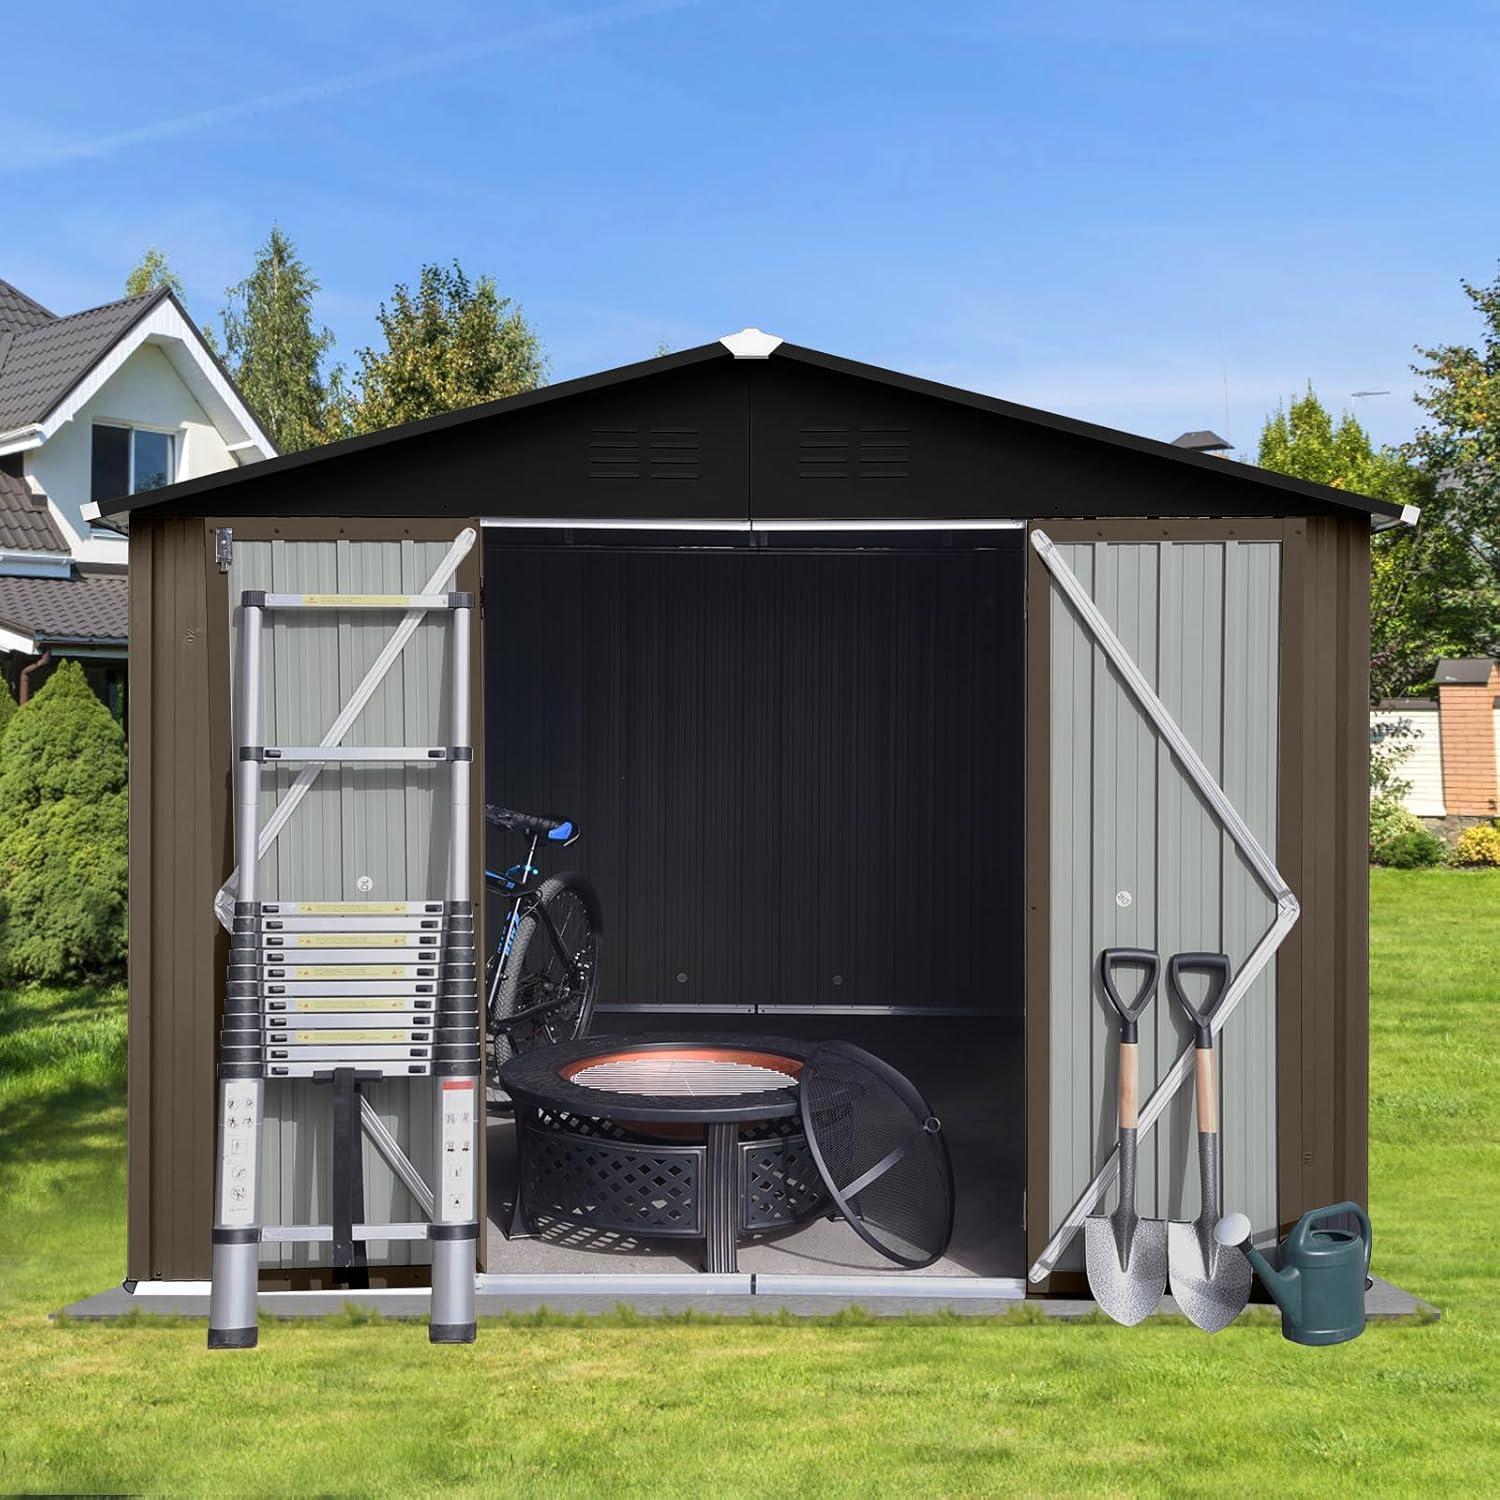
(541, 979)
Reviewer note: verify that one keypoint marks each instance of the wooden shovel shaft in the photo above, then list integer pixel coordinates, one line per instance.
(1130, 1084)
(1208, 1104)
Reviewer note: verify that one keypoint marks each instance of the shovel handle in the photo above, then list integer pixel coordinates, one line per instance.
(1208, 1103)
(1131, 1011)
(1216, 966)
(1130, 1085)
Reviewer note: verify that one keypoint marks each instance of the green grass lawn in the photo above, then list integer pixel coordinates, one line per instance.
(677, 1408)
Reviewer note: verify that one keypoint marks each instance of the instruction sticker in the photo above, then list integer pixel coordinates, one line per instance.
(458, 1150)
(237, 1165)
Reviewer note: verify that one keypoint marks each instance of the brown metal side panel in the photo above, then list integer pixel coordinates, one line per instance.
(1291, 845)
(1353, 904)
(1323, 969)
(144, 541)
(179, 771)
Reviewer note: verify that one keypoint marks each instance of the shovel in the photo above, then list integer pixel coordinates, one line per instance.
(1126, 1256)
(1210, 1283)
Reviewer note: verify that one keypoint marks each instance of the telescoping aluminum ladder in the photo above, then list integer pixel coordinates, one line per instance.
(347, 991)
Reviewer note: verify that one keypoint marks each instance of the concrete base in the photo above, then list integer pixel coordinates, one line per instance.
(654, 1293)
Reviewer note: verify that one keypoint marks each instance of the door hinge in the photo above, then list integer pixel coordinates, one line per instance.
(223, 547)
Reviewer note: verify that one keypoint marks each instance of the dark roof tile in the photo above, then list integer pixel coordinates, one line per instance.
(88, 609)
(18, 311)
(47, 359)
(26, 525)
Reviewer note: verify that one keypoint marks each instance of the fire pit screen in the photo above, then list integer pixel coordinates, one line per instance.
(694, 1138)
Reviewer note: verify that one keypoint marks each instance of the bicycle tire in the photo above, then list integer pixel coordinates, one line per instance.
(531, 971)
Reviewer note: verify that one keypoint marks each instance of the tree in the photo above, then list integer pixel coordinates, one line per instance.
(273, 350)
(449, 345)
(1460, 448)
(152, 272)
(1414, 617)
(7, 707)
(62, 835)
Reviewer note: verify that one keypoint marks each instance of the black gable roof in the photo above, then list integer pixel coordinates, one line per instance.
(703, 435)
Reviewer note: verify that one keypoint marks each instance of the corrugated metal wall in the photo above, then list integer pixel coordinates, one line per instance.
(1138, 861)
(798, 775)
(385, 822)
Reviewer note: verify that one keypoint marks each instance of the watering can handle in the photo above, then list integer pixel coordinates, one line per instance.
(1366, 1234)
(1129, 1013)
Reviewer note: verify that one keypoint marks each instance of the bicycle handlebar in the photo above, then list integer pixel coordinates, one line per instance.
(559, 830)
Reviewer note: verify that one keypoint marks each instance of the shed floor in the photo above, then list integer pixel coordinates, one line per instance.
(969, 1070)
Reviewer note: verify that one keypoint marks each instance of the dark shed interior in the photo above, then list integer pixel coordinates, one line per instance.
(795, 762)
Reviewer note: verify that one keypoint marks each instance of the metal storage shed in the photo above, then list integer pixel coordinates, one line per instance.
(1242, 596)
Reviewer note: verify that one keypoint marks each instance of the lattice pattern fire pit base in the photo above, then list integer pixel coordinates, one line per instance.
(681, 1153)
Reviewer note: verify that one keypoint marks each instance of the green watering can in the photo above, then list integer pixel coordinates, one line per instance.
(1321, 1285)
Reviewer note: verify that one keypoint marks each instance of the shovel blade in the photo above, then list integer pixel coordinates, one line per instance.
(1212, 1294)
(1127, 1293)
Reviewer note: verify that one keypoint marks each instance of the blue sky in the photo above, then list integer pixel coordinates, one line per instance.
(1132, 213)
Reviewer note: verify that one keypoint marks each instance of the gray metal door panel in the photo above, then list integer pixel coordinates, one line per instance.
(385, 823)
(1139, 860)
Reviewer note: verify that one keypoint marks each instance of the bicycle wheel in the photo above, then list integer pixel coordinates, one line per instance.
(552, 975)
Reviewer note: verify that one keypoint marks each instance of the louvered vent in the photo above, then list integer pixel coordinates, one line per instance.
(649, 453)
(866, 453)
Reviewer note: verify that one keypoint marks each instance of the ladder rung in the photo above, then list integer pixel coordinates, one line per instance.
(375, 1052)
(330, 989)
(350, 1005)
(361, 955)
(312, 1234)
(339, 754)
(279, 969)
(315, 931)
(350, 908)
(401, 1033)
(302, 1067)
(253, 598)
(384, 935)
(279, 1025)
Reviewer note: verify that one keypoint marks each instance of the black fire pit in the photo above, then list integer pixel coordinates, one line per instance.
(698, 1139)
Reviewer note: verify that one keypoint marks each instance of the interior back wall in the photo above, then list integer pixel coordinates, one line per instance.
(798, 774)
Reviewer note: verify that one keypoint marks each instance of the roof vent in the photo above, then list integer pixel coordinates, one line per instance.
(750, 343)
(1203, 442)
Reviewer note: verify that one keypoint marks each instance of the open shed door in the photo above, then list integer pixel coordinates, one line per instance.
(371, 832)
(1137, 856)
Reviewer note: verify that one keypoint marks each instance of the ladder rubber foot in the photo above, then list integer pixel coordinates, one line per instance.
(451, 1333)
(233, 1338)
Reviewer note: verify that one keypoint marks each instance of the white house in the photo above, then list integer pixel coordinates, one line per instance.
(95, 405)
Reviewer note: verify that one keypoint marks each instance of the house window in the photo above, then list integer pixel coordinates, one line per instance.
(130, 459)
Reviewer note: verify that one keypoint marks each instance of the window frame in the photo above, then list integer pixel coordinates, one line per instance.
(173, 436)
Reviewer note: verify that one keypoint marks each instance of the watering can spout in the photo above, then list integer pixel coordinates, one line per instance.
(1285, 1287)
(1233, 1232)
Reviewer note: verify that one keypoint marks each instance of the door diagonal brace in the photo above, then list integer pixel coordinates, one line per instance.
(1227, 815)
(437, 584)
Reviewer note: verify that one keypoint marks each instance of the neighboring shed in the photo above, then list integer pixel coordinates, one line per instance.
(844, 754)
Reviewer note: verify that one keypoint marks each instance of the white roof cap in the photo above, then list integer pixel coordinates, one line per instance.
(750, 343)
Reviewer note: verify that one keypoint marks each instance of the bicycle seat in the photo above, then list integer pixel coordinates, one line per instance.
(555, 830)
